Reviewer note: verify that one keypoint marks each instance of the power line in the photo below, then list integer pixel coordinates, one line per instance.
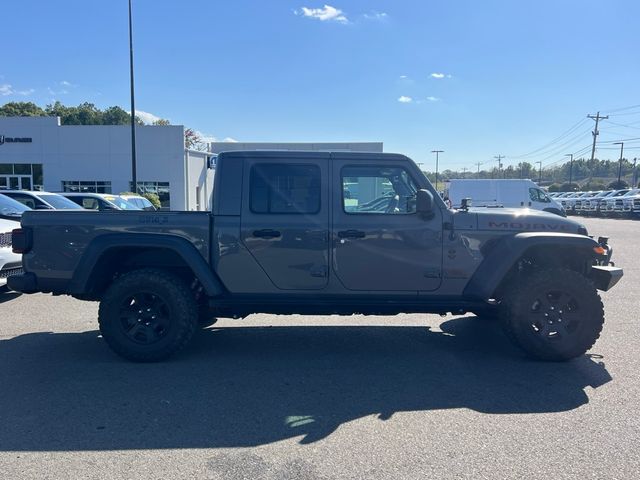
(555, 140)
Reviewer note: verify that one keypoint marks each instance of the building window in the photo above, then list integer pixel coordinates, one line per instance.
(284, 189)
(86, 186)
(25, 176)
(161, 189)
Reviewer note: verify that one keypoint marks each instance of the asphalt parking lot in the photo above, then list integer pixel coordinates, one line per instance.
(406, 397)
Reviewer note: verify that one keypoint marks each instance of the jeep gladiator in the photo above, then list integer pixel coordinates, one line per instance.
(320, 233)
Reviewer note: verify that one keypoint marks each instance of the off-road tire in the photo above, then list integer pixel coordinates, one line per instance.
(563, 297)
(178, 315)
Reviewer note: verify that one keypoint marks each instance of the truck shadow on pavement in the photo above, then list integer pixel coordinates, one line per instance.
(248, 386)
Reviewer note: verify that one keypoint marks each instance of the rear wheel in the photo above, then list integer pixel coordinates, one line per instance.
(553, 314)
(147, 315)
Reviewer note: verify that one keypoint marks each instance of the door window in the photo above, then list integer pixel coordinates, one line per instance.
(538, 195)
(285, 189)
(382, 190)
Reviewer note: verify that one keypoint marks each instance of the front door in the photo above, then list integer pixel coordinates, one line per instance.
(285, 220)
(380, 242)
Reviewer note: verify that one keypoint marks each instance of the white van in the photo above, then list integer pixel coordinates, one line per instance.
(503, 193)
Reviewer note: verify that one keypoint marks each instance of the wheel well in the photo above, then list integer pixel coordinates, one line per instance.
(546, 257)
(119, 260)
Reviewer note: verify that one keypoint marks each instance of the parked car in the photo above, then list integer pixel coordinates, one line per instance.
(10, 263)
(631, 204)
(41, 200)
(613, 203)
(503, 193)
(290, 239)
(580, 202)
(592, 205)
(140, 202)
(100, 201)
(568, 202)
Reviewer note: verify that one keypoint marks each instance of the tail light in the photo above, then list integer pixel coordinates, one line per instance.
(21, 240)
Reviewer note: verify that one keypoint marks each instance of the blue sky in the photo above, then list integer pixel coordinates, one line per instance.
(473, 78)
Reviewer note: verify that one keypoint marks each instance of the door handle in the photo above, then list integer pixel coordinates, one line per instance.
(266, 233)
(351, 234)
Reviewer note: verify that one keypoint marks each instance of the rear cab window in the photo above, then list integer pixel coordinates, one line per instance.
(285, 189)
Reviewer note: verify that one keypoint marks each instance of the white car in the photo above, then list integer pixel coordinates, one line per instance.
(37, 200)
(10, 263)
(139, 202)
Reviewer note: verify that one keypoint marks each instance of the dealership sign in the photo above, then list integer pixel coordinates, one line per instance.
(4, 139)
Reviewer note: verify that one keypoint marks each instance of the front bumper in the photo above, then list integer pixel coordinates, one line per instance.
(604, 277)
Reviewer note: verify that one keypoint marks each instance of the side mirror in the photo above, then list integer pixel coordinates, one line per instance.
(465, 203)
(424, 202)
(43, 207)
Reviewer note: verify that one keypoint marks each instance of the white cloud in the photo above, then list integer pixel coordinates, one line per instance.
(230, 140)
(405, 99)
(403, 77)
(439, 75)
(376, 16)
(433, 99)
(64, 83)
(147, 117)
(327, 13)
(7, 89)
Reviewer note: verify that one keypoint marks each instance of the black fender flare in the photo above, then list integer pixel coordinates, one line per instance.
(507, 251)
(181, 246)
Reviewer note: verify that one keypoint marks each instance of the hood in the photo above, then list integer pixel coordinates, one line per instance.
(516, 220)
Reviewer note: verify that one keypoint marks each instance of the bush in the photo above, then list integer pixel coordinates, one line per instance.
(618, 185)
(154, 199)
(593, 186)
(569, 187)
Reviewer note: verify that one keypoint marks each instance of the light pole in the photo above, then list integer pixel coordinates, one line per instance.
(539, 172)
(134, 175)
(437, 152)
(620, 161)
(570, 168)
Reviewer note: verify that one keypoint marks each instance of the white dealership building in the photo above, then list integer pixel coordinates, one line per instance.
(39, 153)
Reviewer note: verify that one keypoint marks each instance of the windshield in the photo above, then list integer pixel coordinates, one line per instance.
(121, 203)
(9, 208)
(59, 202)
(630, 193)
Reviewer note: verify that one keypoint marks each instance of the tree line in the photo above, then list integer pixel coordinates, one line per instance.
(586, 174)
(88, 114)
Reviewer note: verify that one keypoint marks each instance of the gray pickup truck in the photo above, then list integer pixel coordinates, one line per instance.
(320, 233)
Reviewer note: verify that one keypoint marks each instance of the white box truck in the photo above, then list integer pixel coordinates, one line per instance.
(503, 193)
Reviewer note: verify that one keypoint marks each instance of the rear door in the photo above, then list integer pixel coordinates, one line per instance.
(285, 219)
(380, 242)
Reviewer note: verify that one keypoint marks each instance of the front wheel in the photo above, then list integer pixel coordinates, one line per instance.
(147, 315)
(553, 314)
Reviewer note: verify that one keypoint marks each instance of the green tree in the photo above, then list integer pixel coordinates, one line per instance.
(21, 109)
(115, 116)
(161, 122)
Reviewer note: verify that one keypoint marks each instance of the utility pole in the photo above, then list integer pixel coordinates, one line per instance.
(478, 165)
(570, 168)
(134, 174)
(498, 159)
(595, 132)
(635, 174)
(437, 152)
(620, 161)
(539, 172)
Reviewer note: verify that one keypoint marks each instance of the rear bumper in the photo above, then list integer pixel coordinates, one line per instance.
(605, 278)
(25, 283)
